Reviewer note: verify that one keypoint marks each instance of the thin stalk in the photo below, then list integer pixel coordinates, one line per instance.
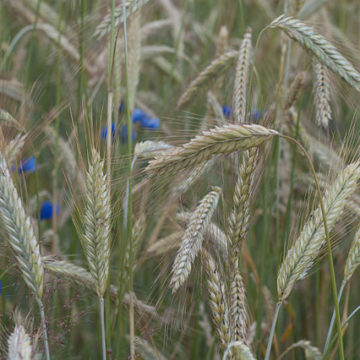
(43, 324)
(102, 319)
(276, 314)
(129, 207)
(328, 245)
(342, 287)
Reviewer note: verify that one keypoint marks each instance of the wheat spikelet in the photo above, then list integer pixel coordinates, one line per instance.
(19, 345)
(238, 350)
(161, 246)
(150, 148)
(217, 300)
(294, 90)
(220, 140)
(242, 79)
(240, 216)
(311, 352)
(238, 308)
(192, 240)
(96, 220)
(325, 52)
(215, 69)
(147, 351)
(353, 259)
(20, 232)
(302, 254)
(132, 6)
(14, 147)
(322, 95)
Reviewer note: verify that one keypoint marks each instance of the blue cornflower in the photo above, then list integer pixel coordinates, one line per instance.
(124, 134)
(46, 211)
(104, 131)
(121, 107)
(226, 111)
(255, 114)
(150, 123)
(138, 116)
(26, 166)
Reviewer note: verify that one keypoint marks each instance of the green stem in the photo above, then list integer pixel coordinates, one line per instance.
(43, 324)
(276, 314)
(328, 245)
(103, 335)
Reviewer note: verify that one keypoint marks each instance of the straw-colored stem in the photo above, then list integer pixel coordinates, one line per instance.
(43, 324)
(276, 314)
(102, 320)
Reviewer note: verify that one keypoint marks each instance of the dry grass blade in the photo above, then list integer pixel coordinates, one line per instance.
(302, 254)
(238, 307)
(132, 6)
(192, 240)
(242, 79)
(19, 345)
(216, 68)
(20, 232)
(322, 95)
(96, 220)
(220, 140)
(325, 52)
(217, 300)
(353, 259)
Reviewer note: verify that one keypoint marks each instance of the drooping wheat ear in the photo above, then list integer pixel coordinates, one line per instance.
(19, 345)
(66, 155)
(191, 242)
(294, 90)
(238, 307)
(20, 232)
(134, 36)
(14, 147)
(353, 259)
(150, 148)
(238, 350)
(146, 350)
(242, 79)
(311, 352)
(219, 140)
(240, 215)
(96, 220)
(132, 6)
(302, 254)
(217, 300)
(170, 242)
(212, 72)
(326, 53)
(322, 95)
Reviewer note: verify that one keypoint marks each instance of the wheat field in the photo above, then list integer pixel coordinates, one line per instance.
(179, 179)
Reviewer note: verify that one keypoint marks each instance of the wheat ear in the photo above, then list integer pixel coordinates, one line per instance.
(325, 52)
(192, 240)
(96, 219)
(14, 147)
(239, 350)
(19, 345)
(294, 91)
(217, 300)
(238, 307)
(240, 216)
(132, 6)
(219, 140)
(353, 259)
(322, 95)
(242, 79)
(215, 69)
(311, 352)
(302, 254)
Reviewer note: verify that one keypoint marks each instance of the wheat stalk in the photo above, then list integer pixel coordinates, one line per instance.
(96, 220)
(213, 71)
(19, 345)
(302, 254)
(325, 52)
(322, 95)
(220, 140)
(191, 242)
(132, 6)
(242, 79)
